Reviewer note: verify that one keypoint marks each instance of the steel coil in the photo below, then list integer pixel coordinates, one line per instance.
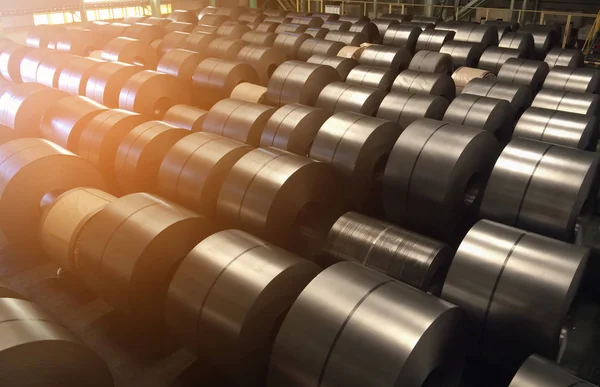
(425, 19)
(394, 58)
(312, 22)
(249, 92)
(397, 16)
(520, 97)
(547, 175)
(433, 40)
(354, 343)
(343, 97)
(464, 54)
(560, 128)
(24, 181)
(225, 48)
(432, 62)
(123, 254)
(580, 80)
(205, 29)
(434, 190)
(299, 82)
(512, 26)
(368, 29)
(494, 115)
(537, 371)
(144, 32)
(343, 66)
(232, 31)
(106, 81)
(158, 21)
(291, 28)
(515, 287)
(278, 19)
(422, 26)
(317, 33)
(266, 26)
(40, 35)
(65, 119)
(233, 12)
(250, 18)
(384, 24)
(312, 47)
(135, 19)
(425, 83)
(184, 116)
(30, 63)
(519, 41)
(337, 25)
(568, 101)
(376, 77)
(564, 57)
(354, 19)
(347, 37)
(171, 41)
(6, 291)
(544, 38)
(411, 258)
(405, 108)
(399, 35)
(215, 79)
(179, 63)
(293, 128)
(11, 56)
(259, 38)
(530, 73)
(463, 75)
(326, 16)
(290, 43)
(493, 58)
(130, 51)
(287, 199)
(238, 120)
(183, 16)
(486, 35)
(109, 31)
(212, 10)
(74, 75)
(79, 42)
(198, 42)
(216, 281)
(180, 27)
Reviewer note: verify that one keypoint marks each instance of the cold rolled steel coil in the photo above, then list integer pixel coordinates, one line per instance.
(336, 349)
(249, 18)
(376, 77)
(399, 35)
(317, 33)
(519, 41)
(212, 10)
(544, 38)
(411, 258)
(430, 189)
(383, 24)
(342, 65)
(312, 47)
(337, 25)
(293, 128)
(24, 181)
(422, 26)
(287, 199)
(486, 35)
(343, 97)
(144, 32)
(354, 19)
(180, 64)
(152, 93)
(520, 97)
(233, 12)
(405, 108)
(74, 75)
(269, 280)
(66, 118)
(299, 82)
(11, 57)
(397, 16)
(290, 43)
(560, 128)
(260, 38)
(30, 63)
(193, 170)
(158, 21)
(274, 12)
(347, 37)
(205, 29)
(266, 26)
(432, 62)
(367, 28)
(215, 79)
(185, 116)
(500, 24)
(182, 16)
(278, 19)
(136, 19)
(433, 40)
(463, 53)
(171, 41)
(516, 288)
(198, 42)
(537, 371)
(526, 72)
(357, 147)
(494, 115)
(104, 84)
(292, 28)
(421, 82)
(580, 80)
(568, 101)
(233, 31)
(394, 58)
(179, 27)
(326, 16)
(225, 48)
(249, 92)
(78, 42)
(529, 181)
(130, 51)
(493, 58)
(425, 19)
(128, 250)
(109, 31)
(238, 120)
(40, 35)
(564, 57)
(313, 22)
(463, 75)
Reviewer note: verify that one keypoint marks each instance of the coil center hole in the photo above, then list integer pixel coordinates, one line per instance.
(271, 69)
(472, 190)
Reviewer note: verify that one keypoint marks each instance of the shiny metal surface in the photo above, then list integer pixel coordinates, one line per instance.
(238, 120)
(405, 108)
(425, 19)
(180, 63)
(312, 47)
(337, 25)
(212, 19)
(519, 96)
(544, 37)
(24, 181)
(228, 297)
(398, 253)
(249, 92)
(317, 33)
(299, 82)
(264, 60)
(39, 36)
(11, 56)
(515, 287)
(462, 53)
(266, 26)
(357, 147)
(384, 24)
(484, 34)
(288, 27)
(278, 19)
(354, 19)
(180, 27)
(520, 41)
(463, 75)
(261, 38)
(356, 342)
(232, 31)
(493, 58)
(198, 42)
(395, 58)
(581, 80)
(326, 16)
(129, 50)
(215, 79)
(308, 21)
(287, 199)
(494, 115)
(526, 72)
(293, 128)
(74, 75)
(185, 116)
(193, 170)
(399, 35)
(50, 67)
(564, 57)
(560, 128)
(431, 62)
(30, 63)
(539, 187)
(347, 37)
(290, 42)
(422, 26)
(433, 167)
(206, 29)
(183, 16)
(367, 28)
(225, 48)
(433, 40)
(421, 82)
(343, 66)
(144, 32)
(377, 77)
(343, 97)
(537, 371)
(568, 101)
(104, 84)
